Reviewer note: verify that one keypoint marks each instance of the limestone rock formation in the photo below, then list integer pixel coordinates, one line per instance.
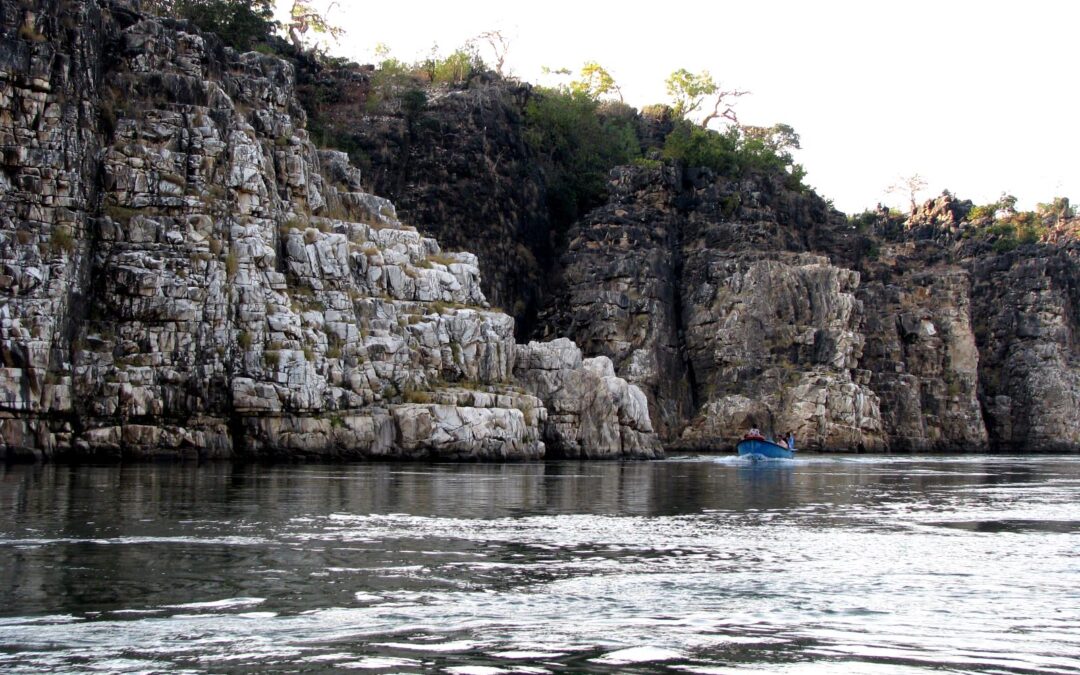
(592, 413)
(620, 294)
(456, 161)
(182, 272)
(921, 353)
(774, 339)
(775, 312)
(185, 274)
(1027, 323)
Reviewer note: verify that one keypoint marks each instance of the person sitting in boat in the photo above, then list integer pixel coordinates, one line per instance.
(754, 435)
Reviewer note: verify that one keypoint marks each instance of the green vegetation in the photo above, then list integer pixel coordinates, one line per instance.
(62, 240)
(120, 214)
(241, 24)
(396, 80)
(595, 82)
(693, 146)
(232, 264)
(1006, 228)
(455, 68)
(441, 259)
(578, 140)
(738, 151)
(416, 396)
(688, 90)
(249, 25)
(304, 19)
(1057, 209)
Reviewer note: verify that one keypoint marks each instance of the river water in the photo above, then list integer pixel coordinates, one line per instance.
(690, 565)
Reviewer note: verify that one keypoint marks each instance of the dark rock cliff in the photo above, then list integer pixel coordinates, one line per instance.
(455, 162)
(786, 317)
(740, 302)
(184, 273)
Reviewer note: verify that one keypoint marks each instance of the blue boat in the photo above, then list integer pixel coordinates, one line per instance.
(757, 449)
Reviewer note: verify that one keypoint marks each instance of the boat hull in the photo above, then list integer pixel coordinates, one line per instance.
(764, 450)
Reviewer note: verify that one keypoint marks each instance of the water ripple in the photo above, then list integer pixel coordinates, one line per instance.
(862, 565)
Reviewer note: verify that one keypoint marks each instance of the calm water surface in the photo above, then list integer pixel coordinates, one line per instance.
(690, 565)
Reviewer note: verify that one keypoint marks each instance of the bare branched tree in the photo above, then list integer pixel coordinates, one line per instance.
(304, 18)
(725, 100)
(908, 185)
(499, 44)
(689, 90)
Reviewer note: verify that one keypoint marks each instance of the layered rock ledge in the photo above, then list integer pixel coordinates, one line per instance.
(184, 274)
(738, 303)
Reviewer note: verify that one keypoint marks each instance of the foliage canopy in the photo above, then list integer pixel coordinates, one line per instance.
(241, 24)
(737, 152)
(578, 140)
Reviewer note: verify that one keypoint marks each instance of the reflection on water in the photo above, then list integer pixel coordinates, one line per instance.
(695, 564)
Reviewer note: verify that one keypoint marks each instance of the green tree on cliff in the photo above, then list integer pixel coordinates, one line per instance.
(688, 91)
(305, 19)
(780, 139)
(595, 82)
(239, 23)
(577, 140)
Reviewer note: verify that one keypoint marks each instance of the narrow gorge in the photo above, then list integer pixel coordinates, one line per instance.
(185, 272)
(738, 302)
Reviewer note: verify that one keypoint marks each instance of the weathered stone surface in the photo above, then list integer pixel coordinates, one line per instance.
(1027, 319)
(458, 166)
(183, 274)
(774, 312)
(620, 291)
(778, 330)
(591, 413)
(922, 357)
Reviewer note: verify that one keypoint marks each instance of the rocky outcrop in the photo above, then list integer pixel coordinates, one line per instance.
(592, 413)
(773, 342)
(184, 274)
(921, 353)
(1026, 310)
(775, 312)
(619, 291)
(734, 302)
(456, 162)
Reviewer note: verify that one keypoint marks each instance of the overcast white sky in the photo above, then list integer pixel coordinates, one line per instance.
(976, 97)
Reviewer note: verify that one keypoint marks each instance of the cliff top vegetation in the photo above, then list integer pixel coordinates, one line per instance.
(580, 129)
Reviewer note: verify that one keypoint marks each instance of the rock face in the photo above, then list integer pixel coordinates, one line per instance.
(184, 274)
(773, 338)
(1027, 326)
(921, 353)
(457, 163)
(592, 413)
(741, 303)
(733, 303)
(620, 294)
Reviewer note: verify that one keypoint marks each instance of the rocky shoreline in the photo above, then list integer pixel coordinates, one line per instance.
(183, 273)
